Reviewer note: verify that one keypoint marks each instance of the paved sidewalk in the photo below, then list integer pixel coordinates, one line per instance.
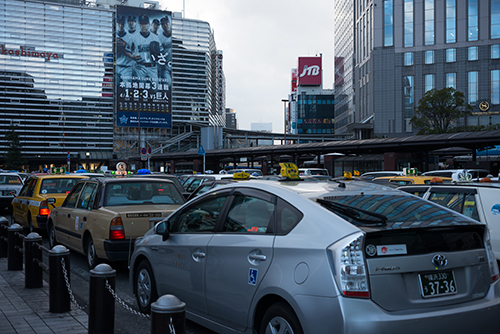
(27, 310)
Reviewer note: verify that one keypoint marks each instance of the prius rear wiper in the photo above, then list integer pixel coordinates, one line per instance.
(354, 212)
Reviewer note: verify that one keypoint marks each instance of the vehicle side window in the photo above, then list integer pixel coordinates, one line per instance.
(401, 182)
(464, 203)
(87, 197)
(194, 185)
(73, 196)
(249, 215)
(200, 217)
(27, 189)
(287, 217)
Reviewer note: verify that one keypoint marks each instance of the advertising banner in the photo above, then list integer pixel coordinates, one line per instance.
(309, 71)
(294, 81)
(143, 84)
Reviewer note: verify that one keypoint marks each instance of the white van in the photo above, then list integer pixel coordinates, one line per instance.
(313, 171)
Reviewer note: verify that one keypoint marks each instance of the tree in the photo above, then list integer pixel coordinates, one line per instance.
(13, 159)
(438, 110)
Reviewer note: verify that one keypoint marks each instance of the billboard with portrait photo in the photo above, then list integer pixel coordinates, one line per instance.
(143, 70)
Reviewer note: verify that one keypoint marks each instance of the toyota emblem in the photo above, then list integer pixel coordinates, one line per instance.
(439, 260)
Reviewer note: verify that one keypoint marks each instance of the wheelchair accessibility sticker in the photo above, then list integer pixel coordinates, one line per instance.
(252, 276)
(495, 209)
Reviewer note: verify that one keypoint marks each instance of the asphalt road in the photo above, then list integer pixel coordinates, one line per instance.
(125, 321)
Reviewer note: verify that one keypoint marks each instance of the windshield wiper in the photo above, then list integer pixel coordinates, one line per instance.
(354, 212)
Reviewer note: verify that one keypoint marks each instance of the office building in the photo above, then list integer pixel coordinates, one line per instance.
(58, 75)
(389, 53)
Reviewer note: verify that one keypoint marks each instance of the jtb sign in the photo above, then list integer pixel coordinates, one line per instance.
(309, 71)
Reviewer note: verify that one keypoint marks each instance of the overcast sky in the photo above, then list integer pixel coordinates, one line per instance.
(261, 41)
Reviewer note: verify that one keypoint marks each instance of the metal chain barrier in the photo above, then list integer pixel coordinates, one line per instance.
(123, 304)
(69, 287)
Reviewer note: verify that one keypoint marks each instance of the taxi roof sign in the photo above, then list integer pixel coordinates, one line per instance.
(289, 170)
(241, 176)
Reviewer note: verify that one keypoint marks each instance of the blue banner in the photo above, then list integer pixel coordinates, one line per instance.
(146, 119)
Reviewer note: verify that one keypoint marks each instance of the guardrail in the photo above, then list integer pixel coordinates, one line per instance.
(167, 313)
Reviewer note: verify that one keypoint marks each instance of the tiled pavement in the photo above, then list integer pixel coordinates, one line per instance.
(27, 310)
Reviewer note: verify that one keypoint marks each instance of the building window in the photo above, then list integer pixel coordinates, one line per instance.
(495, 87)
(429, 82)
(495, 51)
(473, 20)
(451, 21)
(495, 19)
(429, 22)
(409, 96)
(388, 23)
(473, 87)
(408, 58)
(473, 53)
(408, 23)
(429, 57)
(451, 80)
(451, 55)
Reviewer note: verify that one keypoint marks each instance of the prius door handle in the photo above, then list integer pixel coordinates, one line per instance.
(199, 255)
(258, 257)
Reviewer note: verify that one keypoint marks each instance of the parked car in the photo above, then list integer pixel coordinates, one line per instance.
(479, 201)
(101, 217)
(10, 186)
(415, 179)
(30, 208)
(371, 175)
(251, 171)
(313, 171)
(170, 177)
(460, 174)
(208, 185)
(320, 257)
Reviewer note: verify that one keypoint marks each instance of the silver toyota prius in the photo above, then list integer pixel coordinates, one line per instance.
(320, 257)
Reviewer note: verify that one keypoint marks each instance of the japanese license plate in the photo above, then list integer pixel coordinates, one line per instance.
(437, 284)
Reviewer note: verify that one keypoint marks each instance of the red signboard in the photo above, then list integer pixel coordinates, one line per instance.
(309, 71)
(294, 80)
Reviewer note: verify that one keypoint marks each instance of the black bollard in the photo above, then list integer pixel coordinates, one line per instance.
(168, 315)
(4, 224)
(33, 274)
(101, 301)
(59, 300)
(15, 257)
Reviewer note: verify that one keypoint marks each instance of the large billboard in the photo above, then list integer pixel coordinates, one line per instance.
(143, 82)
(294, 81)
(309, 71)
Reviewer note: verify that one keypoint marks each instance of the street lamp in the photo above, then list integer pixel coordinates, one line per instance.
(284, 114)
(87, 154)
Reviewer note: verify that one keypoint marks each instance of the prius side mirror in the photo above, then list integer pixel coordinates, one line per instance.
(163, 229)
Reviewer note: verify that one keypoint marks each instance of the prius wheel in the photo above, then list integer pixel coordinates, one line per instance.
(145, 287)
(52, 235)
(280, 319)
(92, 259)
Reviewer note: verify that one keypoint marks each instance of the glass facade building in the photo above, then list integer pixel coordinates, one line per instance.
(415, 46)
(53, 77)
(57, 81)
(315, 114)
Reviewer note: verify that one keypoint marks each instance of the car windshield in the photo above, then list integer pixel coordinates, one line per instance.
(57, 186)
(400, 211)
(10, 179)
(133, 193)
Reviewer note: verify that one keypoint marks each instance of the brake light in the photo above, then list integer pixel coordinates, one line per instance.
(44, 208)
(349, 267)
(491, 257)
(116, 230)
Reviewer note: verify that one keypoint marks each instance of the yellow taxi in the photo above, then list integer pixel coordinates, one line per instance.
(30, 208)
(404, 180)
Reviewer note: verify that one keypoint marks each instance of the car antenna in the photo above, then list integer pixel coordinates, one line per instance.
(130, 245)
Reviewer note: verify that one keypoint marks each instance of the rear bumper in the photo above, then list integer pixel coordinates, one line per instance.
(5, 201)
(118, 250)
(353, 316)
